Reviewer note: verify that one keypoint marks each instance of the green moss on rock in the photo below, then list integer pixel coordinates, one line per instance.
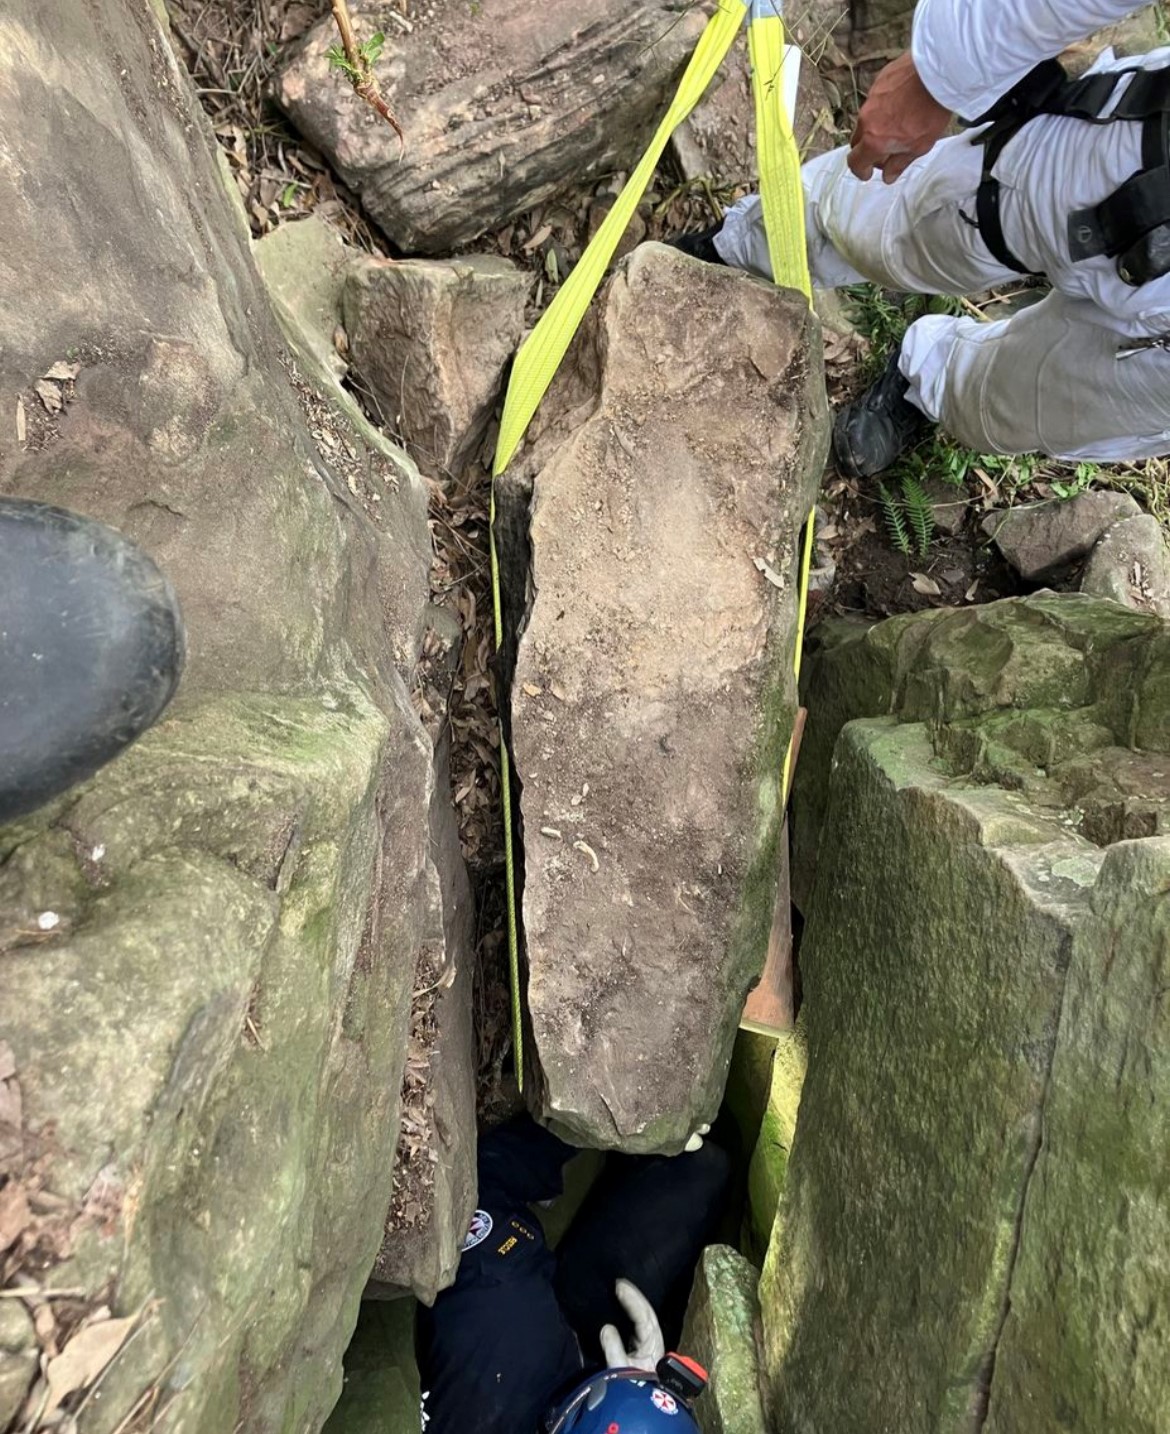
(722, 1333)
(975, 1206)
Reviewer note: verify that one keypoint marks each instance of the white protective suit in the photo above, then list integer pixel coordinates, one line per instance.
(1055, 377)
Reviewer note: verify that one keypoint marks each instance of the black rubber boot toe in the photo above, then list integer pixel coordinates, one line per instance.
(91, 647)
(699, 246)
(873, 432)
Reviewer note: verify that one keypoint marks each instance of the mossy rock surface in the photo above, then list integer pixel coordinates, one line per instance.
(381, 1391)
(975, 1208)
(207, 953)
(722, 1332)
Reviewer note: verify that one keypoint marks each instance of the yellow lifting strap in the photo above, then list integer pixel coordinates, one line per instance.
(775, 69)
(540, 354)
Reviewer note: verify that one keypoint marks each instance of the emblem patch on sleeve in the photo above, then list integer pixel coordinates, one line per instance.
(477, 1232)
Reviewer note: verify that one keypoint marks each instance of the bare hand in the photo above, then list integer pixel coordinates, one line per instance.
(898, 123)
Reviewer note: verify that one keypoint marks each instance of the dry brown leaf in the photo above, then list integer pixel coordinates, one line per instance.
(14, 1214)
(84, 1358)
(543, 233)
(924, 585)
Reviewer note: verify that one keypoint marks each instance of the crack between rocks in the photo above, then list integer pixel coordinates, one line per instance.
(986, 1377)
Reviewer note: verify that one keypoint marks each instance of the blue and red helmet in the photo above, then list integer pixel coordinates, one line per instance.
(630, 1401)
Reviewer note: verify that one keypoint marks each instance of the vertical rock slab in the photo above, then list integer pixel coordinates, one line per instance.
(976, 1197)
(1084, 1342)
(768, 1169)
(505, 105)
(722, 1332)
(675, 460)
(427, 1222)
(933, 963)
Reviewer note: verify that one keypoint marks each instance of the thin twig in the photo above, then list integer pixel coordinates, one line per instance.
(361, 73)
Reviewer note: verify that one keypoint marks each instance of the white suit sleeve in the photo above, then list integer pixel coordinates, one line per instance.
(970, 52)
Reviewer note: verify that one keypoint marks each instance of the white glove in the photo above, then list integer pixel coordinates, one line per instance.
(649, 1346)
(696, 1140)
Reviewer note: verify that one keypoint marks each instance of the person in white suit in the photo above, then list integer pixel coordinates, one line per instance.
(1069, 180)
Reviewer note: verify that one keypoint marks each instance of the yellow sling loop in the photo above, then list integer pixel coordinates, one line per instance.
(540, 354)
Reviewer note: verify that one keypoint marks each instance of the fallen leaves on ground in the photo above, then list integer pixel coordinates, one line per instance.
(87, 1355)
(233, 49)
(415, 1159)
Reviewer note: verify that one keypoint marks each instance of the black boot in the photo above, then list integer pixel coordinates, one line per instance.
(870, 433)
(699, 246)
(91, 646)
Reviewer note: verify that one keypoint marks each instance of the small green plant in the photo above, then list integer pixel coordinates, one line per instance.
(919, 512)
(369, 53)
(356, 62)
(1084, 474)
(883, 318)
(895, 520)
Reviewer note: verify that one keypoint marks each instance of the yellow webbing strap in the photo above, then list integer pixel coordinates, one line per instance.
(541, 352)
(810, 528)
(777, 156)
(782, 200)
(537, 361)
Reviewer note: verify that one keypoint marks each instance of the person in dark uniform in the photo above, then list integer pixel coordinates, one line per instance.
(522, 1325)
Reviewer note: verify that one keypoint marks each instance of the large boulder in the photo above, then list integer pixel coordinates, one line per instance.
(975, 1202)
(305, 267)
(502, 104)
(208, 951)
(718, 139)
(674, 461)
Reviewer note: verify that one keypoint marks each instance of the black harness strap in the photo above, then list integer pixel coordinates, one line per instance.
(990, 220)
(1126, 224)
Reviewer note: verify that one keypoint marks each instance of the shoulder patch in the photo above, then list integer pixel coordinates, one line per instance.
(477, 1232)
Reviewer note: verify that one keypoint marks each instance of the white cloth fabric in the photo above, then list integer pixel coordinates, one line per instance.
(1049, 379)
(970, 52)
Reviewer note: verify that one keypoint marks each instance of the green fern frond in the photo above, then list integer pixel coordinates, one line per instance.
(919, 512)
(895, 522)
